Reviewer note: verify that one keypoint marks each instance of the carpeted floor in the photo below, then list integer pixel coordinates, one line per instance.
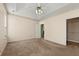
(39, 47)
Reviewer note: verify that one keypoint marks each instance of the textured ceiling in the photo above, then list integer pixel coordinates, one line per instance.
(28, 9)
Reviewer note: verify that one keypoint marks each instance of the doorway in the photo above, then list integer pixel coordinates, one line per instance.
(73, 32)
(42, 30)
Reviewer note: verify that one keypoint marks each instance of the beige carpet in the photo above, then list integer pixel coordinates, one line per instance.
(38, 47)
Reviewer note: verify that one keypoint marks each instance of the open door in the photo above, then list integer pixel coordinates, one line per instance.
(42, 30)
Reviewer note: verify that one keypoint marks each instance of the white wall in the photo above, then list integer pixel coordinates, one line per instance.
(55, 26)
(3, 39)
(20, 28)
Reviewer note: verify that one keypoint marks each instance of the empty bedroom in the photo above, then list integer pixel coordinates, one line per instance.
(39, 29)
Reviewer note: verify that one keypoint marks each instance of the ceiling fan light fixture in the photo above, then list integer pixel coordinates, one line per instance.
(39, 10)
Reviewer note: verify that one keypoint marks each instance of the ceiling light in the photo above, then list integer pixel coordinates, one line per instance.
(39, 10)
